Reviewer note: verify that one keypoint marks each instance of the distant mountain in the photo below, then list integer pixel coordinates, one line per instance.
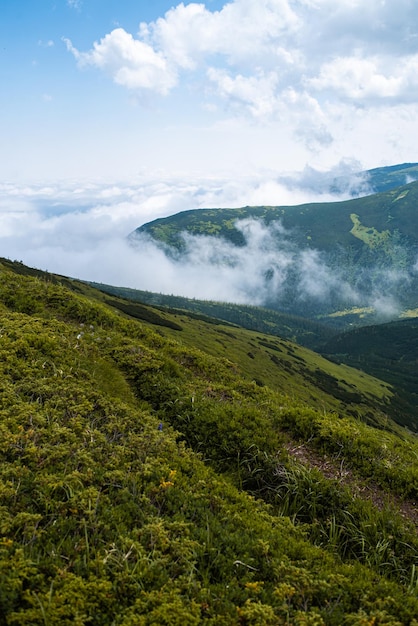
(387, 178)
(375, 180)
(353, 260)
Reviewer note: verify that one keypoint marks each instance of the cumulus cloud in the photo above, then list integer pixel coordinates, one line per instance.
(375, 27)
(130, 62)
(243, 32)
(257, 94)
(242, 35)
(271, 46)
(360, 79)
(317, 72)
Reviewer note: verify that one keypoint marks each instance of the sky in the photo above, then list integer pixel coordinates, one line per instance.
(116, 112)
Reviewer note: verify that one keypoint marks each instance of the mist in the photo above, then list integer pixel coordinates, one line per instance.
(81, 230)
(270, 270)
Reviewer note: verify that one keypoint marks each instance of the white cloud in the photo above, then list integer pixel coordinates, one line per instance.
(315, 71)
(130, 62)
(298, 43)
(375, 27)
(243, 32)
(269, 269)
(83, 218)
(46, 44)
(257, 94)
(75, 4)
(362, 79)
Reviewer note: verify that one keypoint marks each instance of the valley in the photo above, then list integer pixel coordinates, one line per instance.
(364, 252)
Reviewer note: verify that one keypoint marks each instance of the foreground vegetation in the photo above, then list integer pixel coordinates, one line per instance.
(145, 481)
(387, 351)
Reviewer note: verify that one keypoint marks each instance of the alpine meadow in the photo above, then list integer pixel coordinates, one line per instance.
(165, 467)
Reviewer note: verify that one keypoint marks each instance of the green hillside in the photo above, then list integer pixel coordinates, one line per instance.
(375, 180)
(301, 330)
(388, 351)
(149, 478)
(272, 360)
(369, 244)
(384, 214)
(386, 178)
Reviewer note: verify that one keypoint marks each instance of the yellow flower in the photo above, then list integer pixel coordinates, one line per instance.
(166, 483)
(254, 586)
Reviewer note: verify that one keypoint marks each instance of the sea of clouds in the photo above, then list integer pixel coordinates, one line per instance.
(81, 230)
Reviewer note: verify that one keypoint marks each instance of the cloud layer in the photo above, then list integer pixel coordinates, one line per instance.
(81, 231)
(72, 228)
(206, 88)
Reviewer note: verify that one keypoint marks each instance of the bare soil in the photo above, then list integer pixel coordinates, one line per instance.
(337, 470)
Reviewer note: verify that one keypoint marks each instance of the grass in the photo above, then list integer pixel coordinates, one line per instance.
(107, 518)
(369, 235)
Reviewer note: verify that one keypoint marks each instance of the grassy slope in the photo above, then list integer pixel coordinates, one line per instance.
(281, 364)
(108, 519)
(301, 330)
(270, 361)
(391, 210)
(288, 368)
(389, 351)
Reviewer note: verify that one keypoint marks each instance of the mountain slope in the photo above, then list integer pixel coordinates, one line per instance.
(356, 256)
(392, 211)
(375, 180)
(386, 178)
(388, 351)
(269, 360)
(109, 515)
(301, 330)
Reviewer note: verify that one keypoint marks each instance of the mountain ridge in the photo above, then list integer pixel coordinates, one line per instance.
(365, 250)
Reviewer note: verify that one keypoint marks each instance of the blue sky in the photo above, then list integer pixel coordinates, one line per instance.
(206, 87)
(59, 120)
(114, 112)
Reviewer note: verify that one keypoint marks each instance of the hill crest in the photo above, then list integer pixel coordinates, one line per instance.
(313, 260)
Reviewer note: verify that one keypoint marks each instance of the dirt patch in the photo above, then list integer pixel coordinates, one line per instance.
(335, 469)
